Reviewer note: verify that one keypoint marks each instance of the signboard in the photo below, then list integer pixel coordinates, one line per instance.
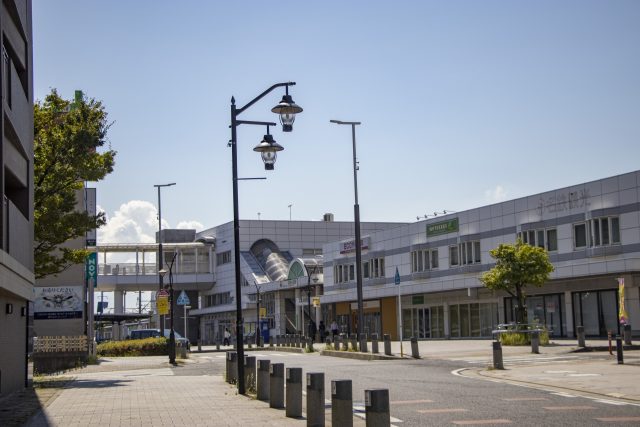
(316, 301)
(350, 245)
(263, 312)
(442, 227)
(396, 279)
(58, 302)
(90, 201)
(417, 299)
(622, 315)
(162, 302)
(366, 304)
(91, 269)
(183, 299)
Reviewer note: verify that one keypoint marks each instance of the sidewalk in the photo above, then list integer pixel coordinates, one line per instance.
(145, 392)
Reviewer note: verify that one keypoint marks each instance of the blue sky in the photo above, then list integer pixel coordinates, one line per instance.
(462, 103)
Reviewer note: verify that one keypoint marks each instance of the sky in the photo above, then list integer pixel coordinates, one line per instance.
(462, 103)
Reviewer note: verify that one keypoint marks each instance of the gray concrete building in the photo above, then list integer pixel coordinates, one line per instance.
(16, 187)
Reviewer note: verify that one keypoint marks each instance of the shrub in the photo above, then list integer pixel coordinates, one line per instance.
(518, 337)
(144, 347)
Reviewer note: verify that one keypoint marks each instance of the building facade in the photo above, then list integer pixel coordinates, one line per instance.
(592, 234)
(16, 187)
(281, 262)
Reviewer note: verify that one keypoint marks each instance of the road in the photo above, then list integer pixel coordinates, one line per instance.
(430, 392)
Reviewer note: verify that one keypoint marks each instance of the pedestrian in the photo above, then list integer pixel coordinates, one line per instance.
(322, 329)
(334, 328)
(312, 330)
(227, 336)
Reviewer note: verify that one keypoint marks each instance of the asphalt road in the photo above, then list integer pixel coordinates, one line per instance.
(429, 393)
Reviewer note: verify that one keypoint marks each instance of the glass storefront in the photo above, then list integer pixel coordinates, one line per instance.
(423, 322)
(544, 310)
(473, 320)
(597, 311)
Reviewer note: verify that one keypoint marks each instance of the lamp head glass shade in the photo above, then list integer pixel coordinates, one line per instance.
(287, 109)
(268, 148)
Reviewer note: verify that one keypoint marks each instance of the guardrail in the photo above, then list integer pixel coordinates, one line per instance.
(55, 344)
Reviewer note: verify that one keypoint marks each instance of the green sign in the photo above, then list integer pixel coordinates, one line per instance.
(417, 299)
(92, 268)
(442, 227)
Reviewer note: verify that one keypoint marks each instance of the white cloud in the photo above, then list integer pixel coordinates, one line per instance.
(495, 195)
(190, 225)
(135, 222)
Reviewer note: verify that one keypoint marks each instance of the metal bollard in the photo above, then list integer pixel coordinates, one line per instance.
(353, 340)
(217, 345)
(293, 392)
(374, 343)
(315, 399)
(376, 407)
(415, 351)
(497, 355)
(535, 342)
(327, 343)
(276, 385)
(363, 343)
(263, 380)
(232, 367)
(249, 372)
(580, 332)
(296, 341)
(387, 344)
(619, 350)
(310, 345)
(627, 334)
(341, 403)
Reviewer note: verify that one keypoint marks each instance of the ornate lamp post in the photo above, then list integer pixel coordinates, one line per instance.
(160, 253)
(287, 109)
(172, 336)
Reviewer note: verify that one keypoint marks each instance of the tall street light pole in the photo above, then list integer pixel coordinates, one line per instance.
(358, 242)
(160, 253)
(287, 109)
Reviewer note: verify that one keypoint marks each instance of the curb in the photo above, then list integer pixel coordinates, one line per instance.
(360, 356)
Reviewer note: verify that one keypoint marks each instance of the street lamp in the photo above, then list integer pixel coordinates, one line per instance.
(160, 253)
(258, 331)
(287, 109)
(356, 214)
(310, 271)
(172, 336)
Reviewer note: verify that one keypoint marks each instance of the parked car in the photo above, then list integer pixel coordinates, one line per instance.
(138, 334)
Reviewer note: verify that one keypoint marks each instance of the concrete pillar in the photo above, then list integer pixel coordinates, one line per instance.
(387, 344)
(341, 403)
(315, 399)
(276, 385)
(232, 367)
(376, 406)
(374, 343)
(263, 380)
(568, 314)
(293, 392)
(415, 352)
(363, 343)
(535, 342)
(447, 325)
(249, 372)
(497, 355)
(580, 333)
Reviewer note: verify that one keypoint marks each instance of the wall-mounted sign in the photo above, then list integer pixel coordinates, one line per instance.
(90, 200)
(91, 265)
(442, 227)
(417, 299)
(366, 304)
(58, 302)
(350, 245)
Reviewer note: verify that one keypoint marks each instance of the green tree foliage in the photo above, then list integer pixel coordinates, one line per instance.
(67, 136)
(517, 266)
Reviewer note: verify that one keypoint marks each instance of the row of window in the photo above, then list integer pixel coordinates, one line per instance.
(222, 298)
(223, 258)
(603, 231)
(343, 273)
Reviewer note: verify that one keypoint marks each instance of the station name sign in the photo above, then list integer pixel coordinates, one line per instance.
(350, 246)
(442, 227)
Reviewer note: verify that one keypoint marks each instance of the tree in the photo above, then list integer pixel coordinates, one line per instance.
(518, 265)
(66, 138)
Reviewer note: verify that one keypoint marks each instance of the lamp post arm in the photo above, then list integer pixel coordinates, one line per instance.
(262, 95)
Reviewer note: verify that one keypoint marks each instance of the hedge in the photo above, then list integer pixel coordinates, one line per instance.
(144, 347)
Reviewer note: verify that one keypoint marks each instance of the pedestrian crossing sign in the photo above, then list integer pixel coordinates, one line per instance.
(183, 299)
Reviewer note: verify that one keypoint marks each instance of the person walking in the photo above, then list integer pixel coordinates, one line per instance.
(321, 329)
(334, 328)
(227, 336)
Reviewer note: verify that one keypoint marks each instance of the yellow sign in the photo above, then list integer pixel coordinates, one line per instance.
(163, 305)
(263, 312)
(623, 317)
(316, 302)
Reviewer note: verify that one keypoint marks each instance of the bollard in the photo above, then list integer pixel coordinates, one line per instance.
(627, 334)
(287, 340)
(374, 343)
(363, 343)
(415, 351)
(315, 399)
(580, 332)
(327, 343)
(263, 380)
(276, 385)
(249, 344)
(619, 350)
(293, 392)
(297, 341)
(249, 372)
(535, 342)
(376, 406)
(341, 403)
(199, 346)
(387, 344)
(497, 355)
(232, 367)
(353, 341)
(217, 345)
(310, 345)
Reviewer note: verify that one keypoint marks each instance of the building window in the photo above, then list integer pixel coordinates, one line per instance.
(543, 238)
(343, 273)
(223, 257)
(377, 267)
(424, 260)
(223, 298)
(366, 270)
(604, 231)
(453, 256)
(465, 253)
(311, 252)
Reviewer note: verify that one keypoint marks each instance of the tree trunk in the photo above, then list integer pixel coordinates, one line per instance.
(521, 310)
